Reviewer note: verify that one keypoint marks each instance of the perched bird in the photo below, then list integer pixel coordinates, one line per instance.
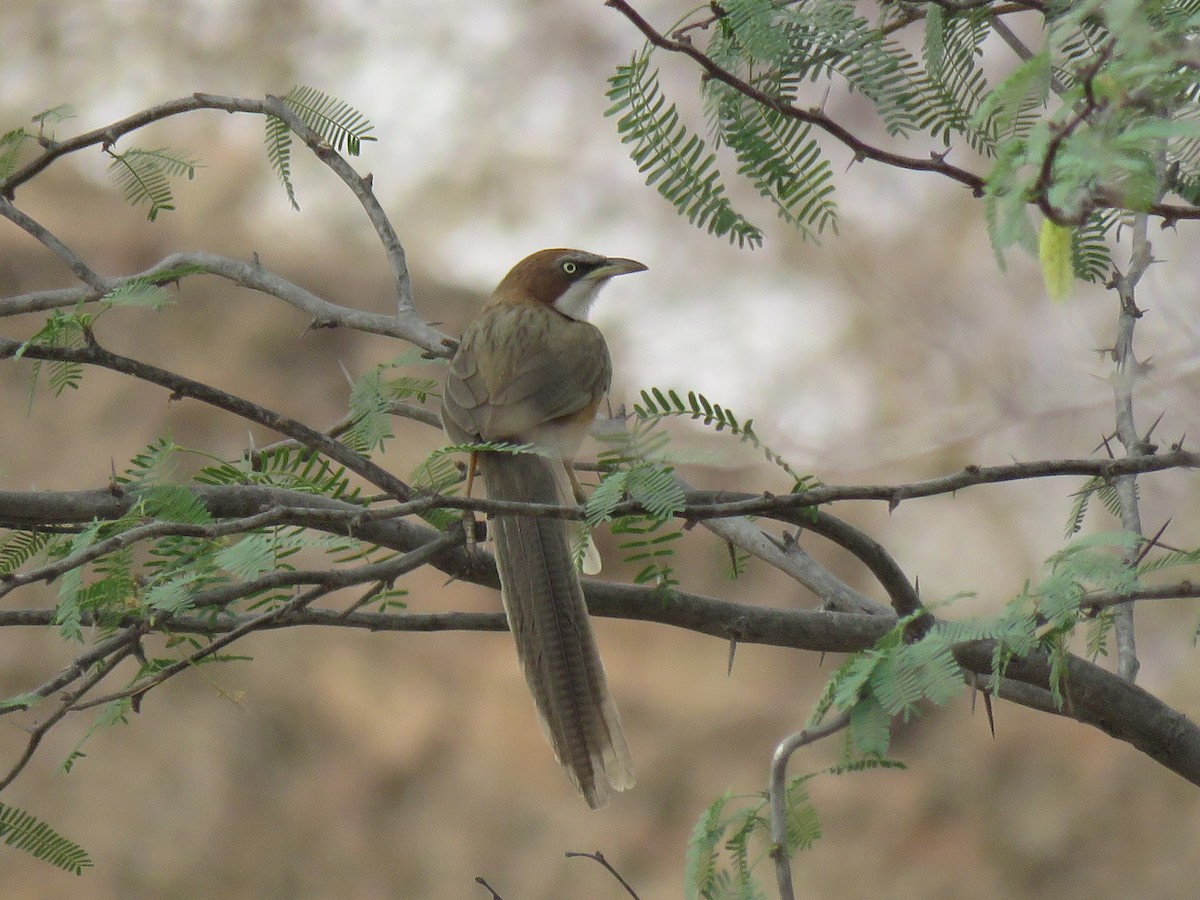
(532, 370)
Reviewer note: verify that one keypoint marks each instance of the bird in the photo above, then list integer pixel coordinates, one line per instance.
(531, 369)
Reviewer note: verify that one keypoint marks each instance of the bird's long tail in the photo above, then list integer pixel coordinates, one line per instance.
(549, 620)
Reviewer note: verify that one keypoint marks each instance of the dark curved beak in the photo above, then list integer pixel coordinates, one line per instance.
(616, 265)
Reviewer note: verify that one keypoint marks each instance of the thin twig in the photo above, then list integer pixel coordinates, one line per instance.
(96, 674)
(599, 857)
(778, 795)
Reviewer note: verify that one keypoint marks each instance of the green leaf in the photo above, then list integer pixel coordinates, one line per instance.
(676, 161)
(1054, 252)
(700, 866)
(139, 292)
(279, 155)
(11, 145)
(337, 122)
(144, 176)
(802, 826)
(371, 411)
(18, 547)
(27, 833)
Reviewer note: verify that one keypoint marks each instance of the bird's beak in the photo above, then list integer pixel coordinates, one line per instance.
(615, 265)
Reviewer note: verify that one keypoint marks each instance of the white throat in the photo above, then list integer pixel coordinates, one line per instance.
(576, 301)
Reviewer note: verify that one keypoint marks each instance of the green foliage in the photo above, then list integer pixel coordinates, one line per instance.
(286, 466)
(1102, 114)
(371, 399)
(53, 116)
(1055, 254)
(636, 469)
(729, 841)
(438, 473)
(279, 155)
(27, 833)
(113, 713)
(1098, 487)
(62, 329)
(896, 676)
(11, 144)
(336, 122)
(144, 176)
(645, 544)
(20, 546)
(1123, 131)
(139, 292)
(678, 163)
(781, 158)
(658, 405)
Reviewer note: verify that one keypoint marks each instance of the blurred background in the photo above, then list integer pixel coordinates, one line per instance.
(346, 765)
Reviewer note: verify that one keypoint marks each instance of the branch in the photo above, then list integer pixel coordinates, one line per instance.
(42, 234)
(421, 332)
(180, 386)
(361, 188)
(332, 580)
(778, 795)
(248, 275)
(95, 674)
(1095, 697)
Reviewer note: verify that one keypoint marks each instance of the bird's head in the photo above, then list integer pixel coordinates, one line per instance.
(567, 280)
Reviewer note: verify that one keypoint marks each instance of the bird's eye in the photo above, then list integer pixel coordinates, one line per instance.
(570, 268)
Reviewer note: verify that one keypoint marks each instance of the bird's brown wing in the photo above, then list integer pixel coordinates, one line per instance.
(522, 366)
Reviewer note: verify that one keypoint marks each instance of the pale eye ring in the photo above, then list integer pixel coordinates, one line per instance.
(570, 268)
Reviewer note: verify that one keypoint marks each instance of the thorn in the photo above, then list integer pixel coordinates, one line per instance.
(1104, 442)
(1150, 544)
(1150, 430)
(774, 541)
(733, 645)
(991, 714)
(346, 372)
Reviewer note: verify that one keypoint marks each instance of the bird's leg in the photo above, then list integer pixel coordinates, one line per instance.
(590, 564)
(576, 487)
(468, 515)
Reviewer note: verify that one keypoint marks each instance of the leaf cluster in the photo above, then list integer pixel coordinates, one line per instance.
(334, 121)
(26, 832)
(1101, 115)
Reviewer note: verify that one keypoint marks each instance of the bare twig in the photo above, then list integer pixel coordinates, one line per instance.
(95, 674)
(778, 795)
(599, 857)
(34, 228)
(248, 275)
(1128, 372)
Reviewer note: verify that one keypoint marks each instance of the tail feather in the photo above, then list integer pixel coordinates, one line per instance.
(549, 621)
